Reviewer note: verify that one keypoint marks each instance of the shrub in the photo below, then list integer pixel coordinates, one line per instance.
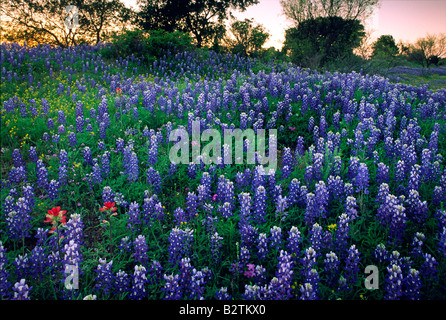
(146, 44)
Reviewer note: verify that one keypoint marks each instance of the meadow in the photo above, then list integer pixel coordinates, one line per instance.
(92, 207)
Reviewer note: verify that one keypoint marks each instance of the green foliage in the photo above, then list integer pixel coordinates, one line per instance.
(148, 44)
(248, 38)
(316, 42)
(202, 19)
(385, 47)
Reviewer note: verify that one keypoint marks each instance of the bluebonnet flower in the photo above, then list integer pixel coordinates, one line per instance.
(72, 139)
(275, 240)
(316, 237)
(172, 288)
(318, 159)
(4, 274)
(429, 267)
(394, 283)
(388, 204)
(120, 143)
(140, 249)
(398, 224)
(308, 261)
(300, 147)
(412, 285)
(21, 264)
(191, 205)
(417, 244)
(192, 170)
(215, 246)
(17, 158)
(153, 151)
(352, 265)
(245, 206)
(287, 159)
(107, 194)
(331, 267)
(179, 215)
(294, 190)
(293, 243)
(307, 292)
(381, 253)
(382, 173)
(414, 177)
(17, 175)
(125, 245)
(438, 195)
(86, 152)
(19, 220)
(350, 208)
(361, 181)
(248, 235)
(139, 280)
(155, 272)
(74, 229)
(134, 217)
(337, 166)
(132, 167)
(33, 154)
(121, 282)
(335, 187)
(185, 276)
(262, 246)
(225, 210)
(348, 189)
(244, 255)
(260, 201)
(198, 284)
(179, 244)
(442, 241)
(104, 276)
(222, 294)
(21, 290)
(284, 274)
(154, 179)
(281, 206)
(308, 174)
(416, 210)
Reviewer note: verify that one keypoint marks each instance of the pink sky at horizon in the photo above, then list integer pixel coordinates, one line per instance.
(405, 20)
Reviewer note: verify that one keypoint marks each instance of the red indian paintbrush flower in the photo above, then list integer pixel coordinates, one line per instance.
(109, 206)
(56, 216)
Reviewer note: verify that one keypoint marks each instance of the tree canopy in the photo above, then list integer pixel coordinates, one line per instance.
(301, 10)
(314, 42)
(247, 38)
(44, 21)
(203, 19)
(385, 47)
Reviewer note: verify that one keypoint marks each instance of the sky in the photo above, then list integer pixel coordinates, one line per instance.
(405, 20)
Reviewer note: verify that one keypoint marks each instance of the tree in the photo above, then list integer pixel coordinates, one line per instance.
(432, 48)
(99, 17)
(364, 50)
(315, 42)
(203, 19)
(47, 21)
(301, 10)
(385, 47)
(247, 38)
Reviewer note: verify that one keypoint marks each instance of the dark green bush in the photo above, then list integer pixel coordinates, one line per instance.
(147, 44)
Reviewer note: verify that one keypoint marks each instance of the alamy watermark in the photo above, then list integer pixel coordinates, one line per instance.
(253, 142)
(371, 282)
(72, 278)
(72, 18)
